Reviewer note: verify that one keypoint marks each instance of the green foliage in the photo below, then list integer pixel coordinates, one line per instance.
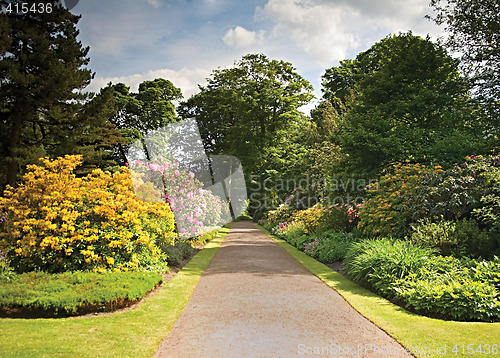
(437, 286)
(42, 74)
(310, 218)
(453, 238)
(178, 252)
(472, 31)
(93, 136)
(412, 192)
(382, 213)
(317, 219)
(340, 218)
(486, 271)
(488, 211)
(450, 297)
(7, 273)
(251, 107)
(398, 101)
(450, 194)
(332, 246)
(137, 114)
(294, 232)
(76, 292)
(443, 265)
(282, 214)
(380, 262)
(450, 288)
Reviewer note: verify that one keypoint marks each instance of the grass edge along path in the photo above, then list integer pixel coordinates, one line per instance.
(134, 333)
(423, 336)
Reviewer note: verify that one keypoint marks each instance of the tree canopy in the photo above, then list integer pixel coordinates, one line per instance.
(137, 114)
(473, 28)
(250, 109)
(402, 99)
(42, 70)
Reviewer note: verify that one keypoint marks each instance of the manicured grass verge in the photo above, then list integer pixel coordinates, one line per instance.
(419, 334)
(134, 333)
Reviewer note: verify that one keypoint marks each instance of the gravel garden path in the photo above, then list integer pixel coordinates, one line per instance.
(255, 300)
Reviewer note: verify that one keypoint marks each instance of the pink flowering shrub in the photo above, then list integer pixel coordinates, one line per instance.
(196, 210)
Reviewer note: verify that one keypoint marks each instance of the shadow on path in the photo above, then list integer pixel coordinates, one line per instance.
(255, 300)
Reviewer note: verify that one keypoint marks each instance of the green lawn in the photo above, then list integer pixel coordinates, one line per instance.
(138, 333)
(418, 333)
(135, 333)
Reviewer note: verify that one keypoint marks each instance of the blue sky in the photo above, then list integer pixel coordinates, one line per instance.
(184, 40)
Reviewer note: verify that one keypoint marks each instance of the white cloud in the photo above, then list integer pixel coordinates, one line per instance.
(317, 28)
(186, 79)
(240, 37)
(331, 30)
(154, 3)
(314, 27)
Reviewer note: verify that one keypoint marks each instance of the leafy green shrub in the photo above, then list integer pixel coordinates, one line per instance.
(311, 218)
(341, 218)
(379, 262)
(282, 214)
(329, 246)
(486, 271)
(450, 297)
(310, 247)
(488, 213)
(442, 265)
(7, 273)
(452, 238)
(43, 294)
(452, 288)
(450, 195)
(334, 248)
(444, 287)
(293, 232)
(178, 252)
(469, 190)
(382, 213)
(412, 192)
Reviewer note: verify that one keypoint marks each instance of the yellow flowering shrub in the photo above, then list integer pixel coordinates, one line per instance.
(311, 218)
(57, 222)
(381, 214)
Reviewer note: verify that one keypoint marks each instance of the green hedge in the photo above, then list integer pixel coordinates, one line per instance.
(39, 294)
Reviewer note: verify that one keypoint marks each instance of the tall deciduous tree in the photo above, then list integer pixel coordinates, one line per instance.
(403, 99)
(250, 110)
(42, 69)
(473, 28)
